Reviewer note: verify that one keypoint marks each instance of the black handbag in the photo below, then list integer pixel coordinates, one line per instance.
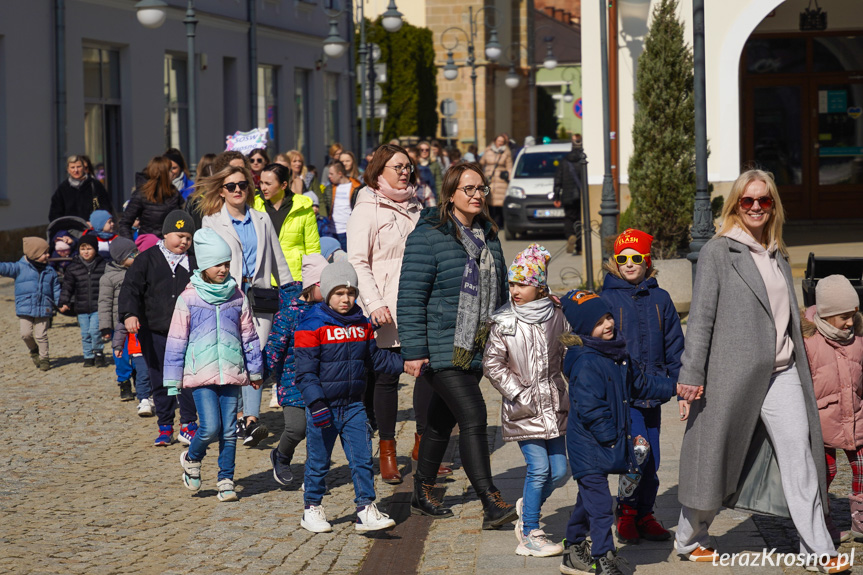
(263, 300)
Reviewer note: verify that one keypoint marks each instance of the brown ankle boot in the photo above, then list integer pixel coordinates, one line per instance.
(389, 467)
(442, 471)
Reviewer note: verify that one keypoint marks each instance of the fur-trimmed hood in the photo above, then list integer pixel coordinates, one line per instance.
(808, 324)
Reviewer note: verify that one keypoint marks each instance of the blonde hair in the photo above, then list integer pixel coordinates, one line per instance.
(731, 218)
(210, 200)
(293, 155)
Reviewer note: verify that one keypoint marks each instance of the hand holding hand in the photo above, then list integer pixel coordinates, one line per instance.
(415, 366)
(690, 392)
(381, 316)
(64, 308)
(132, 324)
(256, 383)
(683, 405)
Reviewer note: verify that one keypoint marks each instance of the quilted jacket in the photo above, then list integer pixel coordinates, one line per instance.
(299, 234)
(150, 215)
(36, 292)
(280, 344)
(333, 353)
(212, 344)
(429, 288)
(646, 318)
(81, 285)
(598, 435)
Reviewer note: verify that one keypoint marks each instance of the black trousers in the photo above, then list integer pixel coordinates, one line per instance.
(572, 223)
(457, 399)
(153, 348)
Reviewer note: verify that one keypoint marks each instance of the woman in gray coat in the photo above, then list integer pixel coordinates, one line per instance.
(753, 437)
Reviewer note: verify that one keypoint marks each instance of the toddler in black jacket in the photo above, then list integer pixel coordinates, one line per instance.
(80, 293)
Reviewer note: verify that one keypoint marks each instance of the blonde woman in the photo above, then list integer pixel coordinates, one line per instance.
(350, 163)
(256, 257)
(753, 436)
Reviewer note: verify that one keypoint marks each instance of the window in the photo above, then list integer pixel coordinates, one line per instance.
(331, 108)
(539, 164)
(102, 134)
(301, 110)
(268, 107)
(176, 105)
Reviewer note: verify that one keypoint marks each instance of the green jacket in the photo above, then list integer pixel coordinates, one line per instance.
(299, 233)
(429, 288)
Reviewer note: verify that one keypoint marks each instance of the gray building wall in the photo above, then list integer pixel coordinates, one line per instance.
(290, 35)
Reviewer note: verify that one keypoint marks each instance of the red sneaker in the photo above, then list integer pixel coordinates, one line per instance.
(649, 528)
(626, 529)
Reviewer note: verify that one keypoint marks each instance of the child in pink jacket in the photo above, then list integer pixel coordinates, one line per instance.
(831, 331)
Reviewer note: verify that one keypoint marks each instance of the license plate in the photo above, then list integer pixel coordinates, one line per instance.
(550, 213)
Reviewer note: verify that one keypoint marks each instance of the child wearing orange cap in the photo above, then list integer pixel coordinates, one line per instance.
(648, 321)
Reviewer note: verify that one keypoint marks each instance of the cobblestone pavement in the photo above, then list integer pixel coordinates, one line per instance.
(82, 490)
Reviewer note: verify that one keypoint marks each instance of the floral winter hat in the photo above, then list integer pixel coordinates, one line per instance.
(529, 266)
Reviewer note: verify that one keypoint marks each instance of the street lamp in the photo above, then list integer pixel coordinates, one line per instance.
(335, 46)
(152, 14)
(608, 209)
(493, 50)
(550, 62)
(568, 76)
(512, 79)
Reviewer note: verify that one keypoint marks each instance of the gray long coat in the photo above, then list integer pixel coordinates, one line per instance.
(727, 458)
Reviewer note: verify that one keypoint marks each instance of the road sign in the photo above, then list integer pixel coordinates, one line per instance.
(380, 110)
(577, 108)
(376, 52)
(448, 108)
(378, 93)
(380, 73)
(449, 127)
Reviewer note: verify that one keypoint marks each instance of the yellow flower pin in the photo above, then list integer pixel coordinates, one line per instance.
(180, 224)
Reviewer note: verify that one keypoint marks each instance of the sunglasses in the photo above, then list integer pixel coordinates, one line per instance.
(231, 186)
(637, 259)
(257, 160)
(766, 202)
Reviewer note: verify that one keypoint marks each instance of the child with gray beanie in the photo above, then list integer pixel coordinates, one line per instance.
(333, 346)
(831, 333)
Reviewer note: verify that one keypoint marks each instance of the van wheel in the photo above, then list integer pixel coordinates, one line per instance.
(509, 234)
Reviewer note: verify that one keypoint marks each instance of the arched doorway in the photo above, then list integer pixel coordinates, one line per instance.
(801, 100)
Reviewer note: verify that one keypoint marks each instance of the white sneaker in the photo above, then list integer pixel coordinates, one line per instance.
(226, 490)
(536, 544)
(152, 402)
(370, 519)
(145, 409)
(315, 520)
(274, 399)
(519, 524)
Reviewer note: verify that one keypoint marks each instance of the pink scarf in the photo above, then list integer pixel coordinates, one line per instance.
(400, 196)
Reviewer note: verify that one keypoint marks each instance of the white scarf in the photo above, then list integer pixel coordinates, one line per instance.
(174, 259)
(833, 333)
(537, 311)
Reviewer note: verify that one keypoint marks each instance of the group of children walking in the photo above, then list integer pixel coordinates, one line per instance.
(583, 377)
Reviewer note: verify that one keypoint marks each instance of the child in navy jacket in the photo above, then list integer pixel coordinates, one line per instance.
(602, 383)
(645, 317)
(334, 348)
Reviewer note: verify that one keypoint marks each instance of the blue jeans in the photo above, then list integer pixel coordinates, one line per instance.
(217, 413)
(351, 425)
(546, 468)
(91, 337)
(251, 401)
(646, 422)
(123, 364)
(143, 390)
(343, 240)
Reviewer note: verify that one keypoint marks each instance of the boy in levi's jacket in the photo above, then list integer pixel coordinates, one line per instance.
(602, 383)
(334, 346)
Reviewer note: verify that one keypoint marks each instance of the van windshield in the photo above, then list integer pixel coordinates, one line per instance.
(539, 165)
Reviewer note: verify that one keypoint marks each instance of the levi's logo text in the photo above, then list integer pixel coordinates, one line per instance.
(351, 333)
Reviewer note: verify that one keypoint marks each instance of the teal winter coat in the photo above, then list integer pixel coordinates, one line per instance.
(429, 288)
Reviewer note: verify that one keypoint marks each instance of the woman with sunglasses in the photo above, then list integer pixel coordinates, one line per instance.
(385, 214)
(646, 318)
(152, 201)
(753, 435)
(258, 158)
(453, 278)
(256, 259)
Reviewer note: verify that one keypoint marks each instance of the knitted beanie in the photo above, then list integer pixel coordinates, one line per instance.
(121, 249)
(34, 247)
(529, 266)
(99, 218)
(61, 245)
(636, 240)
(583, 310)
(835, 295)
(313, 267)
(178, 221)
(210, 249)
(90, 239)
(146, 241)
(336, 275)
(329, 245)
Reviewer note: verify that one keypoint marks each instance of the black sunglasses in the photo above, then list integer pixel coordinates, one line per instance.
(231, 186)
(257, 160)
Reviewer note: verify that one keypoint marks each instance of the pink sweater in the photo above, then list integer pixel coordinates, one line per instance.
(777, 293)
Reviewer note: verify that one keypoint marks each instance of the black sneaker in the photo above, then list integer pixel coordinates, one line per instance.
(611, 564)
(281, 471)
(99, 360)
(241, 430)
(577, 558)
(255, 432)
(89, 362)
(126, 391)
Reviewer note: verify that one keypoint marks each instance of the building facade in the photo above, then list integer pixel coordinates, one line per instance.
(124, 96)
(778, 98)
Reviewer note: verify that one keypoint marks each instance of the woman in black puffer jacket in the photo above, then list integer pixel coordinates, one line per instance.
(151, 203)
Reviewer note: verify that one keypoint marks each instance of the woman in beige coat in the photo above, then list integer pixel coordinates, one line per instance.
(496, 164)
(385, 214)
(256, 257)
